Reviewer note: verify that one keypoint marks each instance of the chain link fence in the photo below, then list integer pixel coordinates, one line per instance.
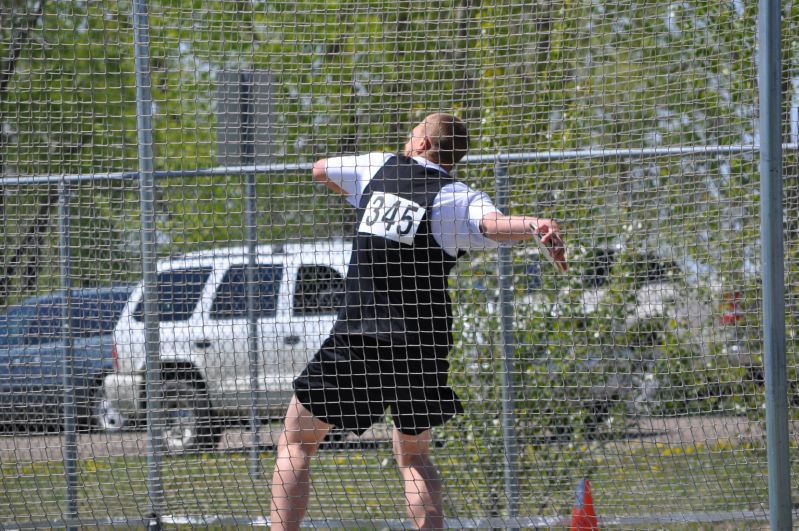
(169, 264)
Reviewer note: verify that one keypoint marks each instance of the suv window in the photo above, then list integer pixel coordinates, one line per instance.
(318, 289)
(231, 297)
(178, 294)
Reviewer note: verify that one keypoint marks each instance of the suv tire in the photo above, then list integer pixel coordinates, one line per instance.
(103, 417)
(189, 423)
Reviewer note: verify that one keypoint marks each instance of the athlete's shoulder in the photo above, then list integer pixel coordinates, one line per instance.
(363, 160)
(380, 157)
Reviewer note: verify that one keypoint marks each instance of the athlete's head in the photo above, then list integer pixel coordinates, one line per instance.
(441, 138)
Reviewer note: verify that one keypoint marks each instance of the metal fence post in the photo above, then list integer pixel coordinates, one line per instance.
(247, 110)
(144, 126)
(508, 346)
(68, 363)
(769, 68)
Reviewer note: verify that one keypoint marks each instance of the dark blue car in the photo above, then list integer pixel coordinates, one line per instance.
(33, 352)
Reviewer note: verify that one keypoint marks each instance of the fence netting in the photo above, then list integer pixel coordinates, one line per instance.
(633, 124)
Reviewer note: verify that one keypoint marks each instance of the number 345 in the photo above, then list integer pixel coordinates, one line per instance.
(391, 216)
(387, 214)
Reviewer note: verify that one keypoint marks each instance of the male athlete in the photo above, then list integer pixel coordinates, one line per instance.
(388, 348)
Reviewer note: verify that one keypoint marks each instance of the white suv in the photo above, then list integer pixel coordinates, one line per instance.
(204, 354)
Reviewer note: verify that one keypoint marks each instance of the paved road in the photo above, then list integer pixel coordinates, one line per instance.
(28, 448)
(655, 430)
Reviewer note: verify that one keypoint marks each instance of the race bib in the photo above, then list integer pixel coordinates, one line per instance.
(391, 217)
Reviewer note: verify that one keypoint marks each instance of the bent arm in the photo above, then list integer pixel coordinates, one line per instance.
(320, 175)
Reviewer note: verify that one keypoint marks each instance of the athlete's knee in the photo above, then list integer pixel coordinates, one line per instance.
(301, 428)
(294, 444)
(412, 450)
(300, 441)
(412, 460)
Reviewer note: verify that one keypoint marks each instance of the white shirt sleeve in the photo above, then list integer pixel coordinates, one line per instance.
(353, 172)
(455, 219)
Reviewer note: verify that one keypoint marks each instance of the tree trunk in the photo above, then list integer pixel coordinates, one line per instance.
(27, 254)
(20, 35)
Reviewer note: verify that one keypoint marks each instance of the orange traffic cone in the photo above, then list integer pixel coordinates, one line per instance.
(583, 517)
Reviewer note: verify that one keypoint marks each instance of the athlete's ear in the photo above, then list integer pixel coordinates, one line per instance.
(426, 144)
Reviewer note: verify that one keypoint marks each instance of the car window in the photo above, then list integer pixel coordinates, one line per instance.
(657, 269)
(41, 323)
(231, 297)
(13, 326)
(532, 272)
(95, 316)
(597, 266)
(645, 267)
(39, 319)
(7, 333)
(178, 293)
(318, 289)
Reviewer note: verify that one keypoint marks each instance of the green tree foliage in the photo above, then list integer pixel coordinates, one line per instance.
(65, 108)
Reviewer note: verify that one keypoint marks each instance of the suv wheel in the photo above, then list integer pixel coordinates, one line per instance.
(189, 423)
(103, 415)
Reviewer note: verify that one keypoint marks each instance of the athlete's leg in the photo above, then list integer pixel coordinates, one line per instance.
(421, 479)
(299, 441)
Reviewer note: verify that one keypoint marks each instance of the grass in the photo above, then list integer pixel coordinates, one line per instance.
(212, 483)
(626, 479)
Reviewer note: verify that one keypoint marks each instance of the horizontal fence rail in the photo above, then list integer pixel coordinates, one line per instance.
(261, 169)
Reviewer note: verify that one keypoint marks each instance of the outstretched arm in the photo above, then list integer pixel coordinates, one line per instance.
(501, 228)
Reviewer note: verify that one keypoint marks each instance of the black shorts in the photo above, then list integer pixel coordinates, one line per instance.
(352, 380)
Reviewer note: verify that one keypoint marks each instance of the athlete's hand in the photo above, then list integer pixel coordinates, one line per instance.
(548, 234)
